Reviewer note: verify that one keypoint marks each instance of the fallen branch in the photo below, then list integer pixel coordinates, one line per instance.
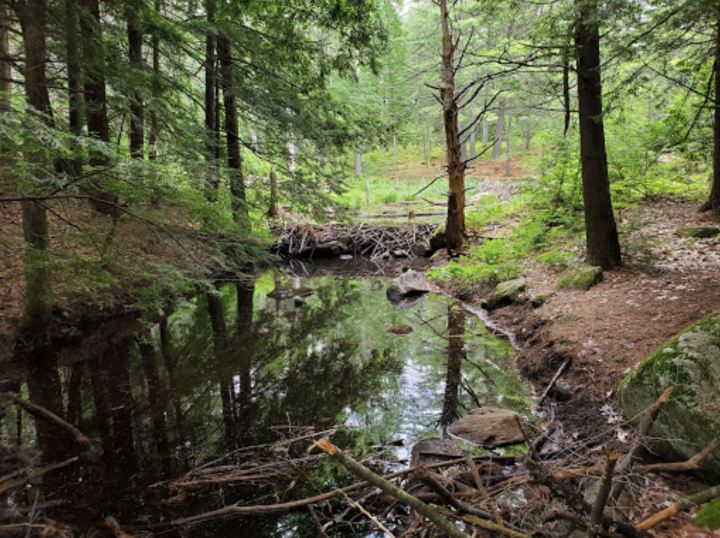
(688, 502)
(693, 464)
(483, 490)
(554, 380)
(41, 413)
(359, 470)
(359, 507)
(24, 476)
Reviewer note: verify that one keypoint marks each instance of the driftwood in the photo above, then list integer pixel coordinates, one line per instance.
(332, 240)
(554, 380)
(603, 493)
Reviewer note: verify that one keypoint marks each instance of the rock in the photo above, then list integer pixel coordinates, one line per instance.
(699, 232)
(398, 253)
(410, 284)
(299, 300)
(434, 450)
(345, 257)
(290, 293)
(488, 427)
(400, 329)
(583, 277)
(438, 240)
(691, 419)
(505, 293)
(538, 300)
(421, 248)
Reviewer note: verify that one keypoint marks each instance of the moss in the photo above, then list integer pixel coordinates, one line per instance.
(699, 232)
(580, 278)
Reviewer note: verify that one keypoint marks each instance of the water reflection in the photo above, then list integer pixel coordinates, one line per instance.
(234, 366)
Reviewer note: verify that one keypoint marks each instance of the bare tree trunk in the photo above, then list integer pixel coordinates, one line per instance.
(499, 128)
(211, 111)
(455, 356)
(217, 320)
(135, 57)
(358, 163)
(237, 185)
(154, 131)
(508, 134)
(156, 400)
(713, 202)
(566, 90)
(273, 211)
(426, 146)
(38, 291)
(5, 65)
(455, 222)
(603, 247)
(74, 75)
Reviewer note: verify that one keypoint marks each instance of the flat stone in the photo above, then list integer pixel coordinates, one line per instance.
(489, 427)
(434, 450)
(400, 329)
(506, 293)
(409, 284)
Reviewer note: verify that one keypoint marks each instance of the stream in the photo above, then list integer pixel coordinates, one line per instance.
(244, 366)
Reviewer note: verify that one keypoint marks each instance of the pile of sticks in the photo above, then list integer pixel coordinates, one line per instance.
(302, 240)
(460, 496)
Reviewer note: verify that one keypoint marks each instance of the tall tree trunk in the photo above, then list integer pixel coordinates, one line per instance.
(38, 300)
(154, 130)
(499, 130)
(273, 210)
(225, 381)
(5, 65)
(74, 75)
(156, 400)
(135, 57)
(455, 222)
(358, 163)
(566, 90)
(170, 360)
(237, 185)
(603, 247)
(713, 201)
(211, 112)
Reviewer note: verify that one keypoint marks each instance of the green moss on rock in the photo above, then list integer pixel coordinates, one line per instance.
(691, 363)
(580, 278)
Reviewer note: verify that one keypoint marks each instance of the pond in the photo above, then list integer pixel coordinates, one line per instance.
(242, 366)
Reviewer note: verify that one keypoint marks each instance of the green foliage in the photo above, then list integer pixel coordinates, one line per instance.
(167, 284)
(709, 515)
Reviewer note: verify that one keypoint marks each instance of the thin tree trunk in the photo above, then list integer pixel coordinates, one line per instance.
(237, 185)
(455, 222)
(5, 65)
(358, 163)
(499, 130)
(154, 131)
(603, 247)
(75, 383)
(170, 360)
(455, 355)
(74, 75)
(217, 321)
(156, 400)
(508, 134)
(273, 211)
(426, 146)
(211, 112)
(713, 201)
(135, 56)
(566, 90)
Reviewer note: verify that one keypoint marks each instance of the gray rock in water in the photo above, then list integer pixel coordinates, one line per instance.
(489, 427)
(691, 419)
(410, 284)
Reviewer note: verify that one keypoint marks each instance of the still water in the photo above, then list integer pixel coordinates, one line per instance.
(242, 366)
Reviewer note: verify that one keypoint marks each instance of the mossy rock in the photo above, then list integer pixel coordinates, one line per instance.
(691, 419)
(580, 278)
(538, 300)
(505, 293)
(699, 232)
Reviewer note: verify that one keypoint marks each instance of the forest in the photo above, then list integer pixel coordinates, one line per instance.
(360, 268)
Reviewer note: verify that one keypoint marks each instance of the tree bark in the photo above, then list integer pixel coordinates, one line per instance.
(5, 65)
(225, 384)
(603, 247)
(713, 202)
(273, 210)
(455, 222)
(358, 163)
(508, 134)
(94, 79)
(455, 355)
(135, 57)
(237, 185)
(156, 400)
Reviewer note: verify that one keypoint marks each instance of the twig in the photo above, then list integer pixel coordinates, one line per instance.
(359, 507)
(483, 491)
(693, 464)
(359, 470)
(316, 519)
(603, 493)
(554, 380)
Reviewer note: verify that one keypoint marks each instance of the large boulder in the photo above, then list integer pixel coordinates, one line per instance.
(691, 419)
(489, 427)
(409, 285)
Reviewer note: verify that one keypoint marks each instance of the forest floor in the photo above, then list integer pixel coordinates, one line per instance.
(668, 282)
